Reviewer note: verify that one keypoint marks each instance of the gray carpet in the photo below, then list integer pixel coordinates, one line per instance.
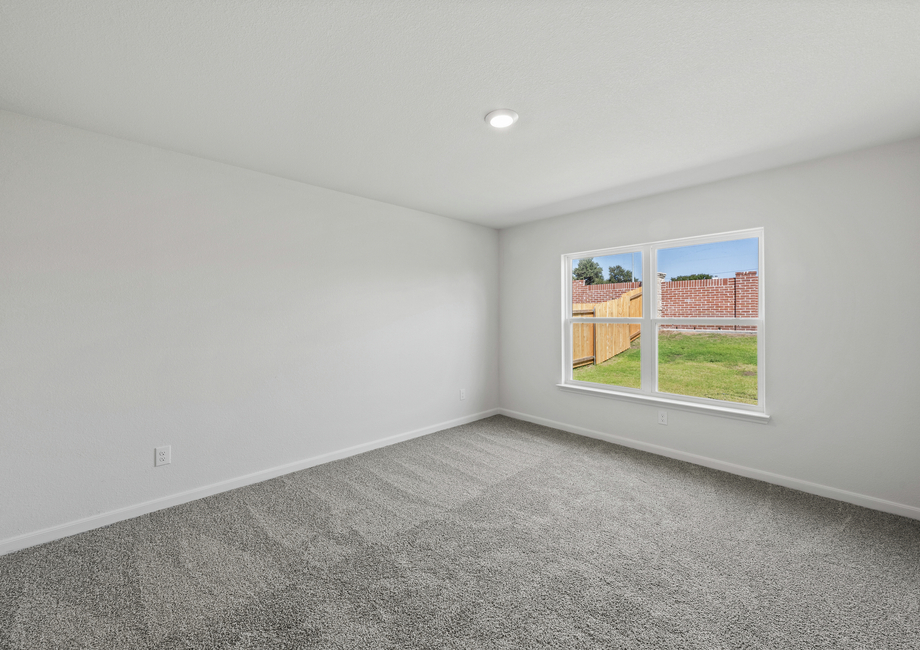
(497, 534)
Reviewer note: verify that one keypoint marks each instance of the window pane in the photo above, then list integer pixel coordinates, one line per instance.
(709, 280)
(606, 354)
(708, 362)
(599, 279)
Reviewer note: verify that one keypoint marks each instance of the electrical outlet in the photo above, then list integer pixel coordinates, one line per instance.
(462, 393)
(662, 417)
(163, 456)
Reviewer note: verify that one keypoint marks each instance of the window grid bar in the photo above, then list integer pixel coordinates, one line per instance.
(669, 321)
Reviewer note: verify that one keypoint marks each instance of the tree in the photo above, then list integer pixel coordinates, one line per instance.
(589, 271)
(695, 276)
(619, 274)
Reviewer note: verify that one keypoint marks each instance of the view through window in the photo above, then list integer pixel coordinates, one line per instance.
(678, 320)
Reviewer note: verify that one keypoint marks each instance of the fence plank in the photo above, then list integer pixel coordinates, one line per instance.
(601, 353)
(583, 336)
(635, 311)
(604, 341)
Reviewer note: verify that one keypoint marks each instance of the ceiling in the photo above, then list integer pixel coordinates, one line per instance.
(386, 99)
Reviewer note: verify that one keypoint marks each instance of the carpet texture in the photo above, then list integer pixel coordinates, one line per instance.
(496, 534)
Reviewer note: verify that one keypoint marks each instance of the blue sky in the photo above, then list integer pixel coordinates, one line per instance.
(721, 259)
(629, 261)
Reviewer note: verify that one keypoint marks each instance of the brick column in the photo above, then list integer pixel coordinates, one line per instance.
(660, 288)
(579, 293)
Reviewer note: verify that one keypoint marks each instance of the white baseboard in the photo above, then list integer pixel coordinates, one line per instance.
(129, 512)
(768, 477)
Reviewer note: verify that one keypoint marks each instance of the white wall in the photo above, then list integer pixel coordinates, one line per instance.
(151, 298)
(842, 243)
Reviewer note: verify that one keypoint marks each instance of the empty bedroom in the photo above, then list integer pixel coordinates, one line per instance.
(412, 324)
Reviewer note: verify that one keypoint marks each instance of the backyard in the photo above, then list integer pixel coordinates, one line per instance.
(719, 366)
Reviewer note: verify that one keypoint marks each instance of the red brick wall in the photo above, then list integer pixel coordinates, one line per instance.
(600, 292)
(717, 298)
(733, 297)
(721, 297)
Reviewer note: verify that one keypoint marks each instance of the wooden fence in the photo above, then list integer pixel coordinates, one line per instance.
(597, 342)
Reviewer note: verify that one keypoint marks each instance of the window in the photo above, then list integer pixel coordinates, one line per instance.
(679, 323)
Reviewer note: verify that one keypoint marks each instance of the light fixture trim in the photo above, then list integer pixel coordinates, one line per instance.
(501, 118)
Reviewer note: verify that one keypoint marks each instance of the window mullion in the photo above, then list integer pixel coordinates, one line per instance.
(647, 343)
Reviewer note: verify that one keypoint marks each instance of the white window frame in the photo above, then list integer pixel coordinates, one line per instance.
(648, 392)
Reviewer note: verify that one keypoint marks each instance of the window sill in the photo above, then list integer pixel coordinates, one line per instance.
(721, 411)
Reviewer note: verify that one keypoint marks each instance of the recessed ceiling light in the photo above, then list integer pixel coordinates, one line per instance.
(502, 118)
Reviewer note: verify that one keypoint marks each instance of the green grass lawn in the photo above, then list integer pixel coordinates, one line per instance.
(717, 366)
(621, 370)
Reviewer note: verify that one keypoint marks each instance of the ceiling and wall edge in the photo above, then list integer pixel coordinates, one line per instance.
(803, 152)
